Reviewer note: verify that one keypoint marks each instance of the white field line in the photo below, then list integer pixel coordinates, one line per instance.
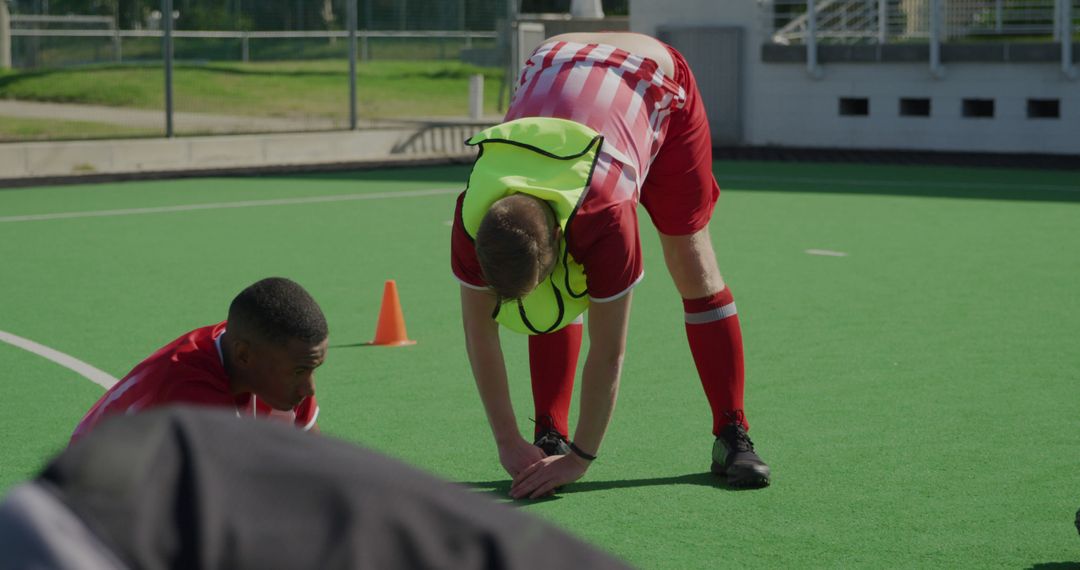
(225, 205)
(826, 252)
(81, 368)
(904, 183)
(436, 192)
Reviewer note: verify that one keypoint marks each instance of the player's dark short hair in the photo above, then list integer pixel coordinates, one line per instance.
(514, 245)
(276, 310)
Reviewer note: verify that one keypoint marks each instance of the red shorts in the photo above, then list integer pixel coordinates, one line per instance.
(680, 191)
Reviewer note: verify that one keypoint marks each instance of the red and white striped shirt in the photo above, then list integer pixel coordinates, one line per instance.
(188, 370)
(627, 99)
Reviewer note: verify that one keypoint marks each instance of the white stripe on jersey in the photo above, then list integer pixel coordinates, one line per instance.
(609, 87)
(656, 134)
(629, 103)
(658, 77)
(681, 102)
(571, 88)
(656, 118)
(626, 187)
(601, 52)
(601, 171)
(636, 102)
(543, 86)
(632, 63)
(566, 53)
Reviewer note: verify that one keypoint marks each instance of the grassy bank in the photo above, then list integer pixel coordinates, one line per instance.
(386, 89)
(17, 129)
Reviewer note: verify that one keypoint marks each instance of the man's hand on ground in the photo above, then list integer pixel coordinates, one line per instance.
(543, 477)
(519, 455)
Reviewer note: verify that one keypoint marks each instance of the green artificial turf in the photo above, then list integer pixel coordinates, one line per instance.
(917, 398)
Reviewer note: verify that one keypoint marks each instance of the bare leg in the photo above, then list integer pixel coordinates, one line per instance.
(692, 264)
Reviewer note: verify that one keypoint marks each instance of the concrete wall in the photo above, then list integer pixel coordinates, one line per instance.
(105, 157)
(785, 106)
(794, 110)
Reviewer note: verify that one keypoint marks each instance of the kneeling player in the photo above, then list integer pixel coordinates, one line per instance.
(261, 361)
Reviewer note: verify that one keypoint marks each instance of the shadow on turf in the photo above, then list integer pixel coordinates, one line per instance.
(500, 489)
(352, 345)
(1055, 566)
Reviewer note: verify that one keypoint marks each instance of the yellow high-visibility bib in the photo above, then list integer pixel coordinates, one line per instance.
(551, 159)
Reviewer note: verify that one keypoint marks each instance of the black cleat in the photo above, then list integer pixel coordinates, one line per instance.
(733, 457)
(553, 443)
(549, 438)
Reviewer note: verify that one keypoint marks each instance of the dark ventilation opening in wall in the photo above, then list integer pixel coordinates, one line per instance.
(854, 106)
(1044, 108)
(979, 108)
(914, 107)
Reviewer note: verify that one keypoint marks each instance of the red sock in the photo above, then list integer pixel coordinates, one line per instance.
(553, 361)
(712, 327)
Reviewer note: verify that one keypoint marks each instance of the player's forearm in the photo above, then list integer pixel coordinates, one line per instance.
(608, 323)
(599, 390)
(486, 360)
(489, 372)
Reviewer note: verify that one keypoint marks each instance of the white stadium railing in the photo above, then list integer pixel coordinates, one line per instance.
(809, 23)
(881, 21)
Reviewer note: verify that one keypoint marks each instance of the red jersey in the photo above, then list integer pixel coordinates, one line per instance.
(627, 99)
(188, 370)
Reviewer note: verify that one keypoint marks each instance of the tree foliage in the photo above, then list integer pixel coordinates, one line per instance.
(273, 15)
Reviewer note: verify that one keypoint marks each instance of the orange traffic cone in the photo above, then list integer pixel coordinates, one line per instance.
(391, 328)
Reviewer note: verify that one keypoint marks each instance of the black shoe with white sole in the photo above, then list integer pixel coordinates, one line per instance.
(733, 458)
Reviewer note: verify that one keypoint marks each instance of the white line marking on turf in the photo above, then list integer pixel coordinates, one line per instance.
(826, 252)
(96, 376)
(905, 183)
(224, 205)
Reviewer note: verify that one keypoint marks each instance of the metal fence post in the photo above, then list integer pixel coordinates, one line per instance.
(117, 53)
(245, 47)
(463, 23)
(167, 55)
(352, 64)
(1067, 68)
(883, 21)
(1057, 21)
(935, 39)
(510, 29)
(812, 67)
(365, 47)
(476, 96)
(5, 36)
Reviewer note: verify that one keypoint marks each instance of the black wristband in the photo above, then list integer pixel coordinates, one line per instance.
(578, 452)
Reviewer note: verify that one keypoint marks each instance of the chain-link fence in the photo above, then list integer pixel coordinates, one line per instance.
(95, 68)
(66, 33)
